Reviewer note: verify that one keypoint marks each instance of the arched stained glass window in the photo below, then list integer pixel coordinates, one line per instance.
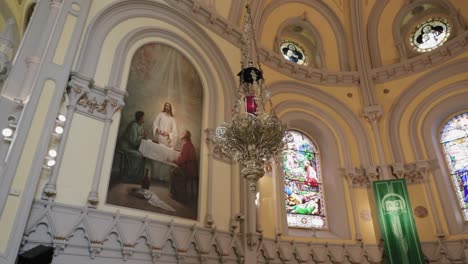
(430, 34)
(454, 140)
(302, 183)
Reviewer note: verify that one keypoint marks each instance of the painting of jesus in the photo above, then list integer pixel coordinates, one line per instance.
(156, 161)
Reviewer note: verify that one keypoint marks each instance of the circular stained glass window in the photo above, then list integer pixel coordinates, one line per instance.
(430, 34)
(293, 52)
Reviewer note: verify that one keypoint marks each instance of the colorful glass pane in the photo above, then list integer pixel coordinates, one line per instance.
(293, 52)
(302, 183)
(454, 140)
(430, 34)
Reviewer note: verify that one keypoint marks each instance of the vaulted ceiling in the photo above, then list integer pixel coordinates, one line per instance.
(326, 31)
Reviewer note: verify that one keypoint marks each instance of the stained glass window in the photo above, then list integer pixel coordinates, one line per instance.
(454, 140)
(302, 183)
(293, 52)
(430, 34)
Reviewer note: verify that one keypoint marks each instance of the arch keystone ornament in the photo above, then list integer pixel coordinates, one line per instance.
(397, 225)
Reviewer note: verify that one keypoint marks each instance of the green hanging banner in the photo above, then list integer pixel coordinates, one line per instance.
(397, 223)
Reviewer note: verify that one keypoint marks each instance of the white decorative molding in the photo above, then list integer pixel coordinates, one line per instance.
(92, 234)
(82, 235)
(362, 178)
(99, 103)
(415, 172)
(448, 51)
(277, 62)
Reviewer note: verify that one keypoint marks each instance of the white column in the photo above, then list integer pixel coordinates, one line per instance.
(234, 213)
(113, 105)
(349, 177)
(373, 114)
(209, 185)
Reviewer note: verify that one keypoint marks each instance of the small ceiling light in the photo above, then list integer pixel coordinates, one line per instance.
(50, 163)
(61, 118)
(59, 130)
(7, 132)
(52, 153)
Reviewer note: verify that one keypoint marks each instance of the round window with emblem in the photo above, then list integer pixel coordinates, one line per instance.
(430, 34)
(293, 52)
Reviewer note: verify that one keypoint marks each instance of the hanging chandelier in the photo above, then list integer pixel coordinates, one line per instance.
(255, 134)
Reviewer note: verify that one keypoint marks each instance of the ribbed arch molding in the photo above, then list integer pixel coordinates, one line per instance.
(351, 119)
(430, 128)
(301, 120)
(114, 14)
(327, 13)
(372, 31)
(403, 101)
(323, 135)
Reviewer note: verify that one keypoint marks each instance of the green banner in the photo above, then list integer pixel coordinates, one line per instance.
(397, 223)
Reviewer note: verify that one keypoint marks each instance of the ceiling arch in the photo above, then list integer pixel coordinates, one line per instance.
(328, 15)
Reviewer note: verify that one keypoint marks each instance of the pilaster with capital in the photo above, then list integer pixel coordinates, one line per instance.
(349, 174)
(372, 114)
(112, 102)
(209, 139)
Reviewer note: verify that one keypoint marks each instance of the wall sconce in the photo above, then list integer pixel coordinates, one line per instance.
(9, 131)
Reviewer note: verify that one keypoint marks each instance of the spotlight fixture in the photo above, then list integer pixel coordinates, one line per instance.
(52, 153)
(7, 132)
(50, 163)
(61, 118)
(59, 130)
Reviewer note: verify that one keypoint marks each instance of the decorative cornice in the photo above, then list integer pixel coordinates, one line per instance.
(422, 62)
(362, 178)
(93, 101)
(317, 76)
(415, 172)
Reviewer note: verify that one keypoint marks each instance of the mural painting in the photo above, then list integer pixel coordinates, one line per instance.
(156, 162)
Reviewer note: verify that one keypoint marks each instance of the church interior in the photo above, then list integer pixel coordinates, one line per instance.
(118, 123)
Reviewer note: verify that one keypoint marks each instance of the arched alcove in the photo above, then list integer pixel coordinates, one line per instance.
(328, 15)
(406, 98)
(410, 17)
